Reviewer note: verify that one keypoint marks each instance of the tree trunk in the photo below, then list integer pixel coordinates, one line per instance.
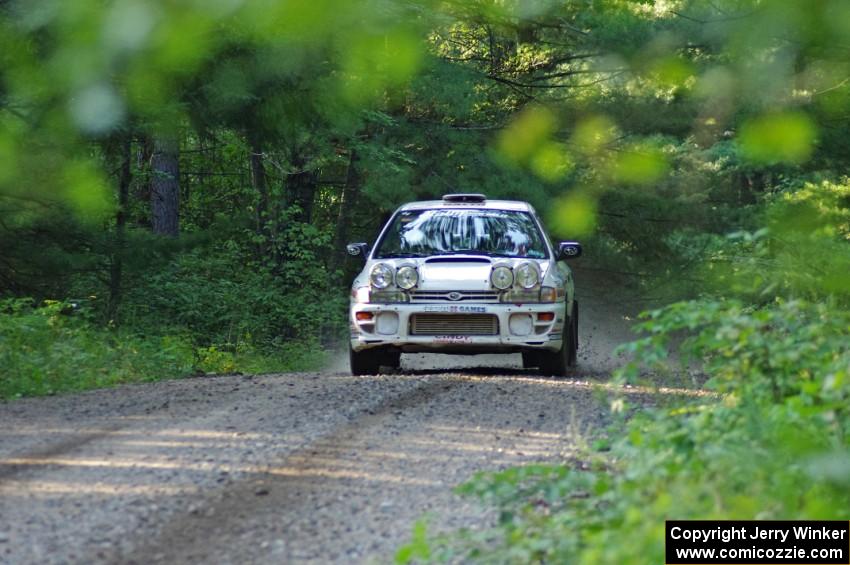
(301, 188)
(116, 262)
(348, 200)
(260, 184)
(165, 186)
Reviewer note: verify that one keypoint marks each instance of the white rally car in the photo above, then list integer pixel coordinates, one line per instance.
(464, 275)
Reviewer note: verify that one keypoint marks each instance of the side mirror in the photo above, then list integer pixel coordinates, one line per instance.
(568, 250)
(357, 249)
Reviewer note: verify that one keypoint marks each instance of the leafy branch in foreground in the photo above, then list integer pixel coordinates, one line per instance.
(773, 445)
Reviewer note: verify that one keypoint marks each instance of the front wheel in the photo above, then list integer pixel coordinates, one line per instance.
(392, 359)
(530, 359)
(366, 362)
(370, 361)
(561, 362)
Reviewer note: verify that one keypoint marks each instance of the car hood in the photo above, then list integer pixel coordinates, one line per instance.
(454, 275)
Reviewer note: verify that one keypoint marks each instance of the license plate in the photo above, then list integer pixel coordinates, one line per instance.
(452, 339)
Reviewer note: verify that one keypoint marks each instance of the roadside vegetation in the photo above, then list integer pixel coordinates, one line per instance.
(771, 445)
(178, 181)
(53, 348)
(757, 294)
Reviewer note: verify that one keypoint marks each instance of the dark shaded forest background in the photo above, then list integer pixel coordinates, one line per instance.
(187, 173)
(178, 180)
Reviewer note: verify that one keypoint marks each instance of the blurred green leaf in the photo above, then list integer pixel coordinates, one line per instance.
(639, 164)
(591, 134)
(525, 135)
(574, 214)
(87, 191)
(552, 162)
(787, 137)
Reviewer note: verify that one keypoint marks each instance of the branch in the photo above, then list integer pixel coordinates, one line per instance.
(575, 72)
(656, 220)
(825, 90)
(717, 21)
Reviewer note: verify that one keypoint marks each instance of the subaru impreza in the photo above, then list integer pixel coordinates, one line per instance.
(464, 275)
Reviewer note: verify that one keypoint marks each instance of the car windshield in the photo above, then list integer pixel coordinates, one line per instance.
(498, 233)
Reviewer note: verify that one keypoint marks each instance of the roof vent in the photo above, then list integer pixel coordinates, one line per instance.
(464, 198)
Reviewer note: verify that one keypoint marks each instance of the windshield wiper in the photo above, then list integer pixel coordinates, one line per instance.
(473, 252)
(470, 252)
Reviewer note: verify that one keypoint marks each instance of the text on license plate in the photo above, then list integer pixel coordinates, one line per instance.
(452, 339)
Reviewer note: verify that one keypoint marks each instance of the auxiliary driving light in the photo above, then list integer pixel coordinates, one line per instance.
(407, 277)
(381, 275)
(527, 275)
(501, 277)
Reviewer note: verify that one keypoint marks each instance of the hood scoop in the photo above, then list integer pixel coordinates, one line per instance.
(455, 273)
(459, 260)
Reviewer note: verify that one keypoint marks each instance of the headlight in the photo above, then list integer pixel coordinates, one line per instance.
(387, 297)
(548, 294)
(530, 296)
(407, 277)
(381, 275)
(501, 278)
(527, 275)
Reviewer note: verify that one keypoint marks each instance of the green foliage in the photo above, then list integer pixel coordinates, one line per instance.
(57, 348)
(703, 159)
(785, 137)
(773, 442)
(694, 146)
(418, 548)
(53, 348)
(800, 252)
(768, 354)
(221, 302)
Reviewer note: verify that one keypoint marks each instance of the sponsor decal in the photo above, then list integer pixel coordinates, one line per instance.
(458, 309)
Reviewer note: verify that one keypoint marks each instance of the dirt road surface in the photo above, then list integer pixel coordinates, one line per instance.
(284, 468)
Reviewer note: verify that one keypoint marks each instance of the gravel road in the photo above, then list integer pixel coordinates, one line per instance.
(295, 468)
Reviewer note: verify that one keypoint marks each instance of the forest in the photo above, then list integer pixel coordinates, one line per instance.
(179, 178)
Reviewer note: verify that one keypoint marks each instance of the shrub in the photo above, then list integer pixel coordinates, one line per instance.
(773, 444)
(54, 348)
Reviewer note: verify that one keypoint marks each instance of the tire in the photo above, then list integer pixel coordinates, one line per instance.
(392, 359)
(574, 321)
(366, 362)
(530, 359)
(561, 362)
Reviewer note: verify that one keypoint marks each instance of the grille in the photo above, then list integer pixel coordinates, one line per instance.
(454, 324)
(480, 296)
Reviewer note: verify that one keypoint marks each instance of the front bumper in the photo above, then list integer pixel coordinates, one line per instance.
(374, 332)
